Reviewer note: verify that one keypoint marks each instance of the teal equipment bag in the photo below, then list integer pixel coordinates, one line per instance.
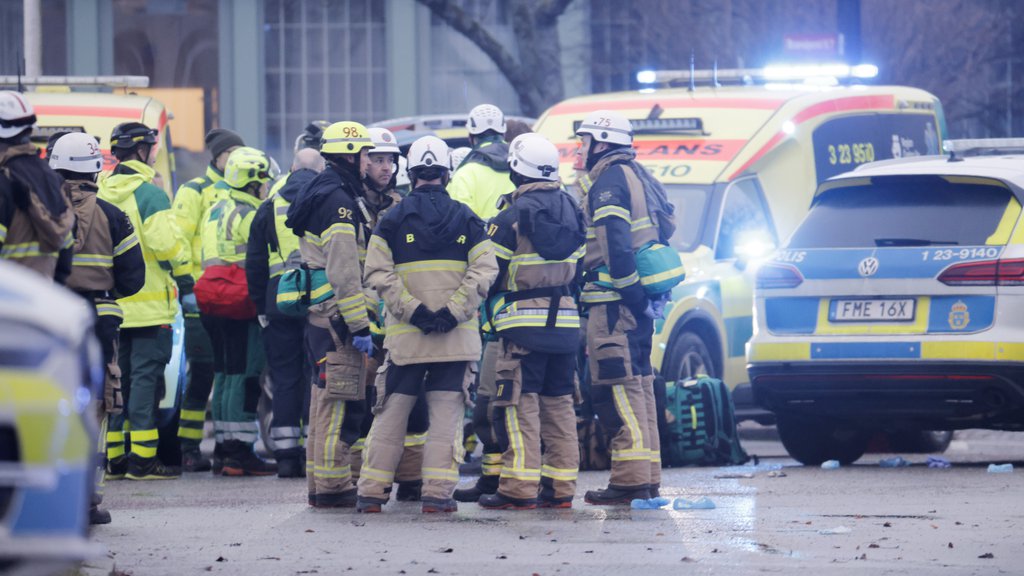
(301, 288)
(701, 427)
(658, 265)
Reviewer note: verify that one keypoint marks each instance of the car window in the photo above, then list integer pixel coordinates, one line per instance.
(744, 228)
(903, 211)
(690, 204)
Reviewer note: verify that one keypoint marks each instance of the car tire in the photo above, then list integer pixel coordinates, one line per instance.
(920, 441)
(687, 357)
(812, 441)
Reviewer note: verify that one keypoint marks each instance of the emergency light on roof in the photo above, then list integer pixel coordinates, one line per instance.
(108, 81)
(661, 126)
(774, 73)
(957, 149)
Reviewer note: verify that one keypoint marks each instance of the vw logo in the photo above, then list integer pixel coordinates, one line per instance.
(868, 266)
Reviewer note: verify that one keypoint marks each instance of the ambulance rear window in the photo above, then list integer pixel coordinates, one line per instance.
(904, 211)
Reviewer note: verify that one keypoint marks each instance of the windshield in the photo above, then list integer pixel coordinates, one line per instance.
(690, 203)
(904, 211)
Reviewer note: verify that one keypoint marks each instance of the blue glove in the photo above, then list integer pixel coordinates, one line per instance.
(364, 344)
(189, 304)
(656, 308)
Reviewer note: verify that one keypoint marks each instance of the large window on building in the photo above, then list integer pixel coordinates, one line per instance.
(325, 60)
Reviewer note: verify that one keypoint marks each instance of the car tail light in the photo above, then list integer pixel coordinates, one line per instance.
(985, 273)
(770, 276)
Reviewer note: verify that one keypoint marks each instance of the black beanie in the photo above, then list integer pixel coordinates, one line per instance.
(220, 139)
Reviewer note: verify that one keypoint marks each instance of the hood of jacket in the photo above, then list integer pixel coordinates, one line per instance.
(550, 219)
(128, 176)
(311, 196)
(296, 181)
(434, 208)
(492, 153)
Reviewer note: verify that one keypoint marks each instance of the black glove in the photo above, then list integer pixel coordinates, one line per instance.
(423, 319)
(444, 322)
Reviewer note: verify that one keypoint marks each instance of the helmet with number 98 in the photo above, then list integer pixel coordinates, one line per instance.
(345, 138)
(77, 152)
(607, 126)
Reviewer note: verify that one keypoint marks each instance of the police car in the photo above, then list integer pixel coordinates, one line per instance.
(896, 304)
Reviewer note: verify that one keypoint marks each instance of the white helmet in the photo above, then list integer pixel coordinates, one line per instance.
(607, 126)
(383, 141)
(429, 151)
(402, 176)
(533, 156)
(458, 155)
(77, 152)
(16, 114)
(485, 117)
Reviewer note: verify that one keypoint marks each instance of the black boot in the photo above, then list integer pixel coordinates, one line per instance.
(438, 505)
(655, 490)
(346, 499)
(291, 468)
(98, 516)
(546, 497)
(217, 467)
(616, 495)
(497, 501)
(117, 468)
(150, 469)
(484, 485)
(367, 505)
(409, 491)
(241, 460)
(192, 460)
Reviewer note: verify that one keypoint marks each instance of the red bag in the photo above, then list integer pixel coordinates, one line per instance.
(223, 291)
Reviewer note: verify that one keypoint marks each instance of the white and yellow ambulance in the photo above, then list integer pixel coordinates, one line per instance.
(741, 165)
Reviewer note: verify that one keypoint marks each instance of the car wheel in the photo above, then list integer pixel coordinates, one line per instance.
(813, 441)
(920, 441)
(687, 357)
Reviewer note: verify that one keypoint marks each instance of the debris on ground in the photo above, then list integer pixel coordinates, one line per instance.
(938, 462)
(704, 503)
(835, 531)
(1000, 468)
(894, 462)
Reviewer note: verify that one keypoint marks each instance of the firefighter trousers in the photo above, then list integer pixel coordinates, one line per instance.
(142, 356)
(483, 414)
(444, 384)
(334, 424)
(619, 345)
(533, 404)
(238, 355)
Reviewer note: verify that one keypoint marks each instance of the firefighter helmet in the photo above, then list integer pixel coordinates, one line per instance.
(345, 138)
(77, 152)
(607, 126)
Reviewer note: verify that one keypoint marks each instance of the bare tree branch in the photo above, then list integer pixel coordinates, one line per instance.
(551, 9)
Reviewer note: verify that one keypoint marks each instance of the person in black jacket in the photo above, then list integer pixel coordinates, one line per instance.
(272, 249)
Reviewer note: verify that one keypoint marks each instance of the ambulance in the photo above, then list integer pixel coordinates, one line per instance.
(741, 164)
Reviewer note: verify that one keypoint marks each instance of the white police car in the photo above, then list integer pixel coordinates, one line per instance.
(897, 304)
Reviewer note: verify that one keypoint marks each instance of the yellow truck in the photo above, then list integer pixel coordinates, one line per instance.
(741, 164)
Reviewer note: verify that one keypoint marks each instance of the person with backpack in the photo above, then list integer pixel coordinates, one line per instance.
(146, 338)
(229, 315)
(482, 177)
(107, 265)
(36, 219)
(621, 311)
(192, 202)
(538, 239)
(431, 262)
(272, 249)
(333, 232)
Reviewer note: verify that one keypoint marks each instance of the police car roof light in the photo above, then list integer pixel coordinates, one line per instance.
(771, 73)
(958, 149)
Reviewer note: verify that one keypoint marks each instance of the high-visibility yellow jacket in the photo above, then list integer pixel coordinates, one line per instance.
(191, 203)
(164, 248)
(482, 179)
(225, 231)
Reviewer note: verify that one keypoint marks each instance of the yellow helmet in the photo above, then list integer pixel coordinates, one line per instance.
(245, 166)
(345, 138)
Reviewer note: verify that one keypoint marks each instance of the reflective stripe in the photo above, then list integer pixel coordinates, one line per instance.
(107, 309)
(281, 210)
(431, 266)
(641, 224)
(194, 415)
(145, 435)
(621, 283)
(478, 250)
(380, 244)
(382, 476)
(339, 472)
(190, 433)
(353, 140)
(3, 233)
(528, 474)
(277, 268)
(337, 228)
(126, 244)
(611, 212)
(563, 474)
(502, 252)
(629, 417)
(660, 276)
(449, 474)
(332, 436)
(115, 450)
(24, 250)
(625, 455)
(599, 297)
(515, 437)
(359, 445)
(98, 260)
(415, 439)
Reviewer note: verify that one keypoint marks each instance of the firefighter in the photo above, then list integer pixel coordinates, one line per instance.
(229, 315)
(333, 233)
(272, 249)
(107, 265)
(482, 178)
(432, 263)
(538, 238)
(191, 204)
(620, 319)
(145, 342)
(379, 187)
(36, 218)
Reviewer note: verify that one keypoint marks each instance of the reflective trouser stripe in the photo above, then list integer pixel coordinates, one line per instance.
(115, 444)
(515, 437)
(246, 432)
(629, 417)
(415, 439)
(359, 445)
(492, 464)
(449, 474)
(382, 476)
(331, 438)
(564, 474)
(286, 437)
(144, 442)
(190, 424)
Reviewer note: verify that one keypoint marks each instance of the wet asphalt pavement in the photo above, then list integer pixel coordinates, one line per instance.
(774, 517)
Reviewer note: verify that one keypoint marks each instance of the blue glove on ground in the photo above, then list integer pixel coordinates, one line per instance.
(364, 344)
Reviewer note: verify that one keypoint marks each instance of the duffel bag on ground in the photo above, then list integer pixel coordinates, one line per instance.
(701, 427)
